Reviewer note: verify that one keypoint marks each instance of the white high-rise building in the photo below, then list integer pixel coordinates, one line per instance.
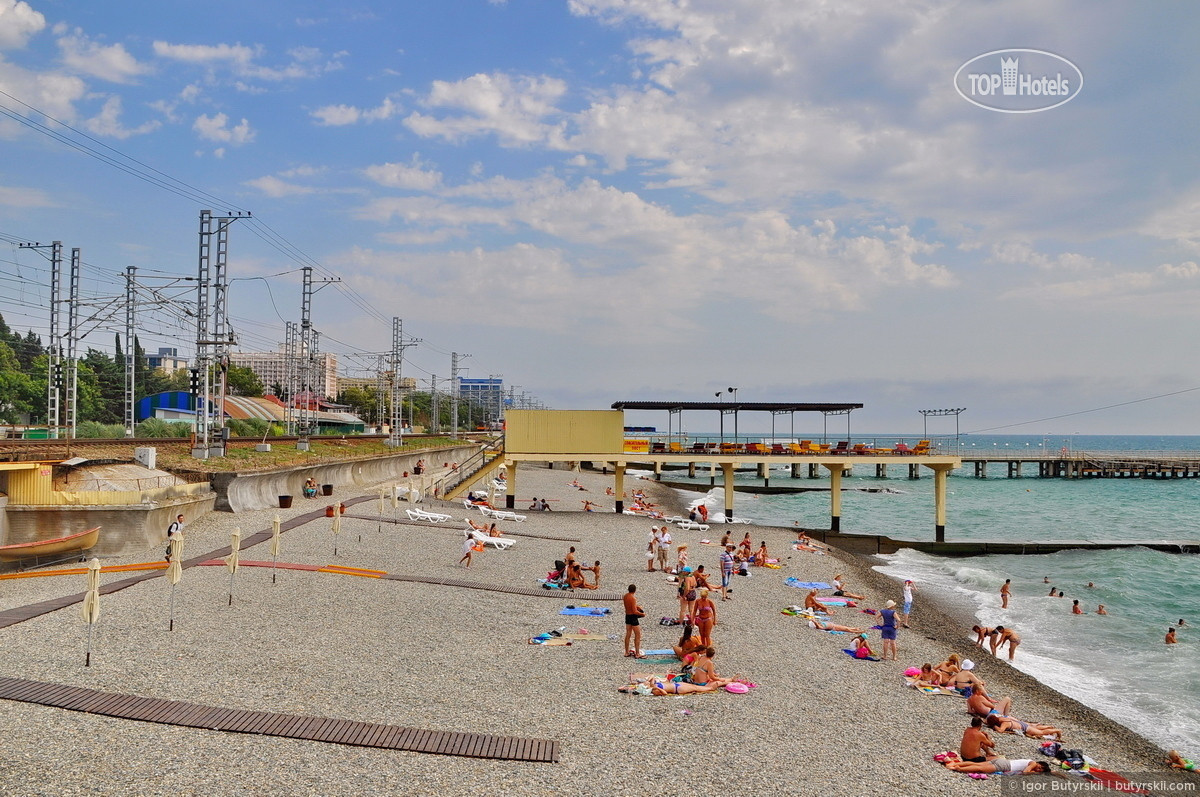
(271, 368)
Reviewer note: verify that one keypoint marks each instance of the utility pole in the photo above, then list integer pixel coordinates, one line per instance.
(130, 359)
(454, 392)
(289, 360)
(212, 338)
(54, 370)
(380, 402)
(308, 353)
(399, 344)
(72, 387)
(435, 407)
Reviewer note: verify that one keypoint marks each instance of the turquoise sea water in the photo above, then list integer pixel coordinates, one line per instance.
(1116, 663)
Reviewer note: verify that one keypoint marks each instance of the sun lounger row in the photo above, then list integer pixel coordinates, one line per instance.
(803, 447)
(502, 514)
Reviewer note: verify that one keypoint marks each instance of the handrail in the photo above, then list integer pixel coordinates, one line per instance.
(468, 468)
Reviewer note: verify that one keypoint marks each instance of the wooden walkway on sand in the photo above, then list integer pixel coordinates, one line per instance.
(289, 726)
(267, 723)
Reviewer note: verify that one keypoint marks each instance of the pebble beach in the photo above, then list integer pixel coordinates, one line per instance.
(449, 658)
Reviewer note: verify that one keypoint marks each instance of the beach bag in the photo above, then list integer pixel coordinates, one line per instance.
(477, 547)
(1071, 758)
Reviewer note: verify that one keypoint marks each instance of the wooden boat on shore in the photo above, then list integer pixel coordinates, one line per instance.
(59, 545)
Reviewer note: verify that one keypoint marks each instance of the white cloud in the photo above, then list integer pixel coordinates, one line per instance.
(513, 109)
(14, 197)
(340, 115)
(412, 176)
(18, 22)
(108, 122)
(1023, 253)
(215, 128)
(50, 92)
(240, 60)
(112, 63)
(276, 188)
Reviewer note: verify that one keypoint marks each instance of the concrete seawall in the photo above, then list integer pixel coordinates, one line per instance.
(241, 492)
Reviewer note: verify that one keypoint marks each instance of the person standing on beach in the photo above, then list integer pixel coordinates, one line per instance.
(726, 571)
(664, 548)
(633, 630)
(888, 631)
(908, 600)
(1001, 635)
(468, 549)
(174, 530)
(1005, 592)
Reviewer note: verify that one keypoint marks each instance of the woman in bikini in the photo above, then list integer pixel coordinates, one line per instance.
(1034, 730)
(746, 546)
(687, 594)
(704, 613)
(704, 673)
(760, 556)
(688, 645)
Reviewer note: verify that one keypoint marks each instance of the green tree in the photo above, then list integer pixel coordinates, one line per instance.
(361, 402)
(243, 381)
(18, 392)
(101, 388)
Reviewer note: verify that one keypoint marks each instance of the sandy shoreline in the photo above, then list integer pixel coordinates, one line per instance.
(455, 659)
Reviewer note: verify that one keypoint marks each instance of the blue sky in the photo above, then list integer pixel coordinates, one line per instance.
(641, 199)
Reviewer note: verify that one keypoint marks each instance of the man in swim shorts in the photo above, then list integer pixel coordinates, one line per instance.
(726, 571)
(633, 630)
(976, 745)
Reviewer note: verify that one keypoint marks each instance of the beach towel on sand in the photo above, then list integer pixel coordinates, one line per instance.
(591, 611)
(850, 653)
(931, 690)
(798, 584)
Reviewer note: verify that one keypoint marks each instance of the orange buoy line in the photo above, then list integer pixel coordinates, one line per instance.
(78, 571)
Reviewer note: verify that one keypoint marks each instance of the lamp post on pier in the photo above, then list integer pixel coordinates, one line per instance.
(734, 391)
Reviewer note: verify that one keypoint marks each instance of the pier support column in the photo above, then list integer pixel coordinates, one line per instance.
(712, 474)
(835, 496)
(914, 472)
(796, 470)
(814, 470)
(940, 472)
(658, 471)
(510, 489)
(619, 485)
(881, 471)
(981, 469)
(691, 470)
(764, 471)
(727, 471)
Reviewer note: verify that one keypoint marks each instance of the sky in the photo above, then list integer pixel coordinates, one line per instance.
(603, 200)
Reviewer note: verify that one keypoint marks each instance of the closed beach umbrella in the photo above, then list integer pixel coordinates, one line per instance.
(337, 525)
(174, 571)
(91, 605)
(274, 545)
(231, 561)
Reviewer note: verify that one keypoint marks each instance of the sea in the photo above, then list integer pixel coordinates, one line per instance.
(1116, 663)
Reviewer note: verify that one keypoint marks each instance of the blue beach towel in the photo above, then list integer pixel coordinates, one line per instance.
(850, 653)
(667, 652)
(792, 581)
(590, 611)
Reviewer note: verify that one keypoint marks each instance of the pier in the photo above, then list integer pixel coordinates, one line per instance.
(1086, 464)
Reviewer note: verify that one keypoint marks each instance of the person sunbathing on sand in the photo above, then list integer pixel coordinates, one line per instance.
(839, 589)
(588, 506)
(689, 643)
(1034, 730)
(928, 676)
(821, 625)
(982, 704)
(761, 555)
(810, 602)
(964, 679)
(1179, 762)
(1000, 766)
(948, 668)
(976, 746)
(704, 672)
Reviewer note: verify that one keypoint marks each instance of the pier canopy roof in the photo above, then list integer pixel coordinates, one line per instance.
(736, 406)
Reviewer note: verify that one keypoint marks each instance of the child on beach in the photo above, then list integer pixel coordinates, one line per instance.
(1179, 762)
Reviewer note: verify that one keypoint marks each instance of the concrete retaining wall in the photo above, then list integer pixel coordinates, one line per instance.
(123, 529)
(239, 492)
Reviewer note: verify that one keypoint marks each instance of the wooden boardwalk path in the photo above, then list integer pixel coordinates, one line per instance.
(289, 726)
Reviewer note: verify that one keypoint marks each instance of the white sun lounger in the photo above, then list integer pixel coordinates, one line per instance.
(499, 543)
(502, 514)
(690, 525)
(421, 514)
